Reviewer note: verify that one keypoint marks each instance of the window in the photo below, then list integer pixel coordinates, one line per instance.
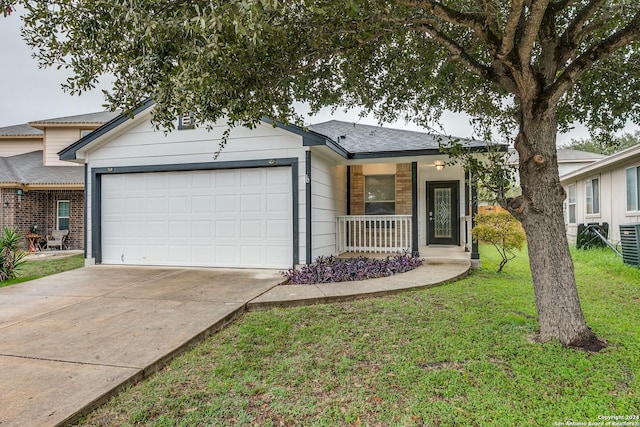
(85, 132)
(63, 215)
(592, 191)
(380, 195)
(186, 122)
(633, 189)
(572, 204)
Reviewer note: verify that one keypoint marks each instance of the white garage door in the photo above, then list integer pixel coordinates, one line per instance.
(212, 218)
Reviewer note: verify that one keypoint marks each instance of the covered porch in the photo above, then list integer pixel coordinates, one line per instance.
(419, 207)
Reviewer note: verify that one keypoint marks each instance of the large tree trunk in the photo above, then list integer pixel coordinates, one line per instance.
(540, 211)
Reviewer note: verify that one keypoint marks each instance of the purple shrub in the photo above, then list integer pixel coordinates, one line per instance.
(332, 269)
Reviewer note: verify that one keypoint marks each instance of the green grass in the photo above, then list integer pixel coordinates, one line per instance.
(457, 355)
(35, 269)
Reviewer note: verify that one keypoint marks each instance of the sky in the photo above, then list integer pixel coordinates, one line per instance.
(28, 93)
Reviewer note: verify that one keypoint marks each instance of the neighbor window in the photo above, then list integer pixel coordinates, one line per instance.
(85, 132)
(633, 189)
(380, 195)
(63, 215)
(592, 190)
(572, 204)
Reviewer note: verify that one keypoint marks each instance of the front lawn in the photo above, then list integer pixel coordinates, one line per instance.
(457, 355)
(31, 270)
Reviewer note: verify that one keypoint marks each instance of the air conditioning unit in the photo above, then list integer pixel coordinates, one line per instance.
(630, 240)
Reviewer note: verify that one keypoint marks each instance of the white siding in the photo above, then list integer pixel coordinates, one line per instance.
(13, 147)
(328, 200)
(613, 201)
(143, 145)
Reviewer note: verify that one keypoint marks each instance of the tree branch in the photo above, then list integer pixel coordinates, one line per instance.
(573, 72)
(576, 31)
(472, 21)
(509, 34)
(531, 30)
(561, 4)
(458, 53)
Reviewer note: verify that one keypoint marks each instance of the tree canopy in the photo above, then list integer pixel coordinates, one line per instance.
(606, 146)
(396, 58)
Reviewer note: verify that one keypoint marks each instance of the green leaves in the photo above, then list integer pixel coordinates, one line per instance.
(397, 59)
(501, 230)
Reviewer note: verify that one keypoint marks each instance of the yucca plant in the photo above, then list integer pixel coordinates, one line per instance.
(11, 254)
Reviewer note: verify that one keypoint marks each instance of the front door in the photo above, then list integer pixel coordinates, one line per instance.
(442, 213)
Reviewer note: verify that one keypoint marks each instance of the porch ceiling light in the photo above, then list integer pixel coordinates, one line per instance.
(439, 164)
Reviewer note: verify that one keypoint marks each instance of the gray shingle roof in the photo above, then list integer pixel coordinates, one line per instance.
(89, 118)
(20, 130)
(28, 169)
(565, 155)
(358, 138)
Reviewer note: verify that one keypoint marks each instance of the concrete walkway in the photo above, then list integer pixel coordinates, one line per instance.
(70, 341)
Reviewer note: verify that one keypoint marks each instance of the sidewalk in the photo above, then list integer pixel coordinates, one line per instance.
(432, 273)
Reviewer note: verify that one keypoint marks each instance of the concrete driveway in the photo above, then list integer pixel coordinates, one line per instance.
(68, 341)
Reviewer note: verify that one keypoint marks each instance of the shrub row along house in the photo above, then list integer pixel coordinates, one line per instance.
(277, 196)
(38, 191)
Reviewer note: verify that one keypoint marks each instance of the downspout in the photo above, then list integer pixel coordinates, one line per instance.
(307, 165)
(84, 228)
(475, 254)
(348, 190)
(467, 204)
(414, 209)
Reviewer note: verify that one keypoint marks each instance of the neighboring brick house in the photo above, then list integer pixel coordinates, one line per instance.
(36, 188)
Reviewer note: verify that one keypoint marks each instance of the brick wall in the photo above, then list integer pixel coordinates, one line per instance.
(403, 189)
(39, 207)
(357, 190)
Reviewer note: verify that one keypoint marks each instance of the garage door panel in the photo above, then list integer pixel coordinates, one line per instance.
(276, 203)
(225, 204)
(252, 254)
(179, 205)
(225, 229)
(201, 204)
(277, 230)
(251, 203)
(219, 218)
(252, 178)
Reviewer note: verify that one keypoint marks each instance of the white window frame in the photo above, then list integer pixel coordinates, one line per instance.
(636, 180)
(593, 209)
(85, 132)
(58, 217)
(571, 204)
(366, 202)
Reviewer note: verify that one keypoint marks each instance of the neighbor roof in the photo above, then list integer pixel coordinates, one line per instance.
(360, 139)
(565, 155)
(27, 169)
(97, 118)
(20, 131)
(615, 160)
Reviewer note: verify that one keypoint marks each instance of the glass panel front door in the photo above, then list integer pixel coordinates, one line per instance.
(443, 213)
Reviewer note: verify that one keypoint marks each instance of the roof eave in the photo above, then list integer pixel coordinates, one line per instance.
(608, 162)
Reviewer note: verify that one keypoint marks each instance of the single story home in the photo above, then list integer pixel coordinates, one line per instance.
(606, 191)
(38, 191)
(277, 195)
